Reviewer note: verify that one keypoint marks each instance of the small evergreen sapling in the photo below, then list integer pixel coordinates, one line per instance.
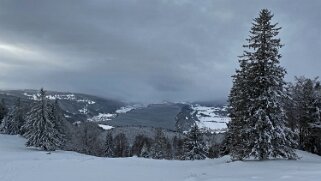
(194, 146)
(109, 147)
(145, 153)
(159, 149)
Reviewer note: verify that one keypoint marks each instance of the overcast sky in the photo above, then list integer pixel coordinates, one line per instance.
(146, 50)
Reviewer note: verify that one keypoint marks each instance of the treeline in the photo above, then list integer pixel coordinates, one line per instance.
(90, 139)
(303, 110)
(189, 146)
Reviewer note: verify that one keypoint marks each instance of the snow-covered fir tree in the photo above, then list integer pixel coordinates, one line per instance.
(3, 110)
(140, 141)
(40, 129)
(145, 151)
(14, 121)
(236, 138)
(159, 147)
(258, 128)
(58, 119)
(194, 146)
(178, 147)
(109, 151)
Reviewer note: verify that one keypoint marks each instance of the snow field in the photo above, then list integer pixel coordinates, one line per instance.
(18, 163)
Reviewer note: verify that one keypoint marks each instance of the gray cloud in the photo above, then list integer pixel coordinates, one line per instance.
(145, 50)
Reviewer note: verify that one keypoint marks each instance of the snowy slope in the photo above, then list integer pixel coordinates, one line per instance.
(109, 116)
(68, 96)
(210, 118)
(105, 127)
(18, 163)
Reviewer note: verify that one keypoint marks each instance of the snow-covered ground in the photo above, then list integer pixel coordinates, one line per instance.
(109, 116)
(126, 109)
(84, 110)
(18, 163)
(209, 119)
(105, 127)
(102, 117)
(60, 97)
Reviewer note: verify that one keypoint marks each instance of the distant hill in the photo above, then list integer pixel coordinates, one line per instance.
(78, 108)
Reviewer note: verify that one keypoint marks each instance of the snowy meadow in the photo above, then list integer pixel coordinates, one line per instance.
(18, 163)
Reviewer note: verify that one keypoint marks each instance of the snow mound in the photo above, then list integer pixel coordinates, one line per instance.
(18, 163)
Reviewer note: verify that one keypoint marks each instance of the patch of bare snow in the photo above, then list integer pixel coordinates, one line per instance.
(126, 109)
(102, 117)
(105, 127)
(209, 119)
(84, 110)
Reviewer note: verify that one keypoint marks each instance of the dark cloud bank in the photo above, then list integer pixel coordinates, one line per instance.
(145, 50)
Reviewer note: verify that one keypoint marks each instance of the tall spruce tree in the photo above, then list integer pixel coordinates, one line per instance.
(40, 128)
(257, 128)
